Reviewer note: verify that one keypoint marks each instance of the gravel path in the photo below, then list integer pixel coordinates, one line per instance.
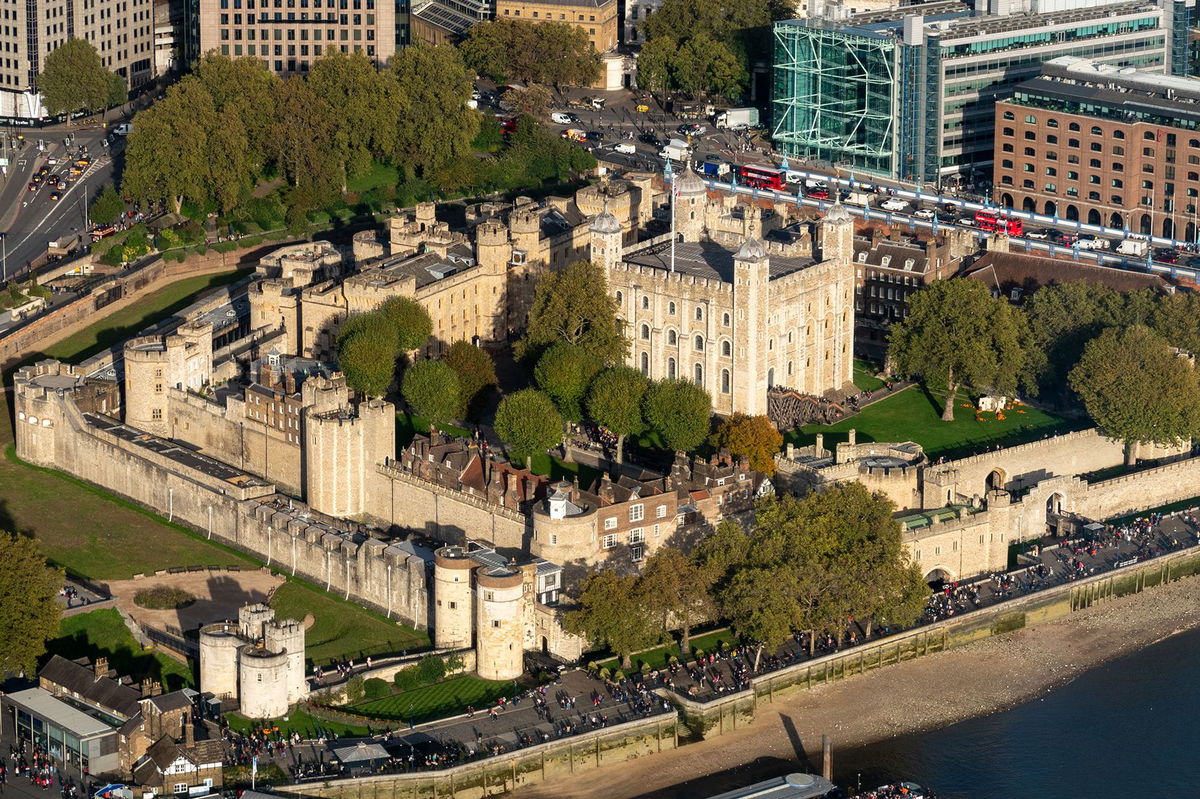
(927, 693)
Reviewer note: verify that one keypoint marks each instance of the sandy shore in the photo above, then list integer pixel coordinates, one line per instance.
(921, 694)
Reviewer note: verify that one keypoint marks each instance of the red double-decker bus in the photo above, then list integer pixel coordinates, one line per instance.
(762, 177)
(994, 222)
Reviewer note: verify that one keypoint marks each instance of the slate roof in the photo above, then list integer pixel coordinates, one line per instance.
(103, 692)
(1004, 271)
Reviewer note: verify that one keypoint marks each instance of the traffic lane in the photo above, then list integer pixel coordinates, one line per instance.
(44, 220)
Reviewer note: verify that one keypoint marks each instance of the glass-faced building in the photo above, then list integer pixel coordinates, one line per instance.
(910, 96)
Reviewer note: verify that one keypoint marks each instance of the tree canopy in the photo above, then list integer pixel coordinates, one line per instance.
(574, 306)
(431, 388)
(476, 372)
(679, 412)
(552, 53)
(701, 45)
(1177, 319)
(615, 402)
(107, 206)
(676, 593)
(29, 610)
(436, 126)
(528, 423)
(73, 78)
(1137, 390)
(754, 437)
(564, 371)
(367, 353)
(957, 334)
(612, 612)
(410, 320)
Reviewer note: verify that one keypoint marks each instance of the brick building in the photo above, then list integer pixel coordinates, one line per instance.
(1104, 145)
(597, 18)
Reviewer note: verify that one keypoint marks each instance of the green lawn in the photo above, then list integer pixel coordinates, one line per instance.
(914, 415)
(116, 327)
(436, 701)
(103, 633)
(660, 657)
(342, 630)
(864, 375)
(297, 720)
(407, 426)
(558, 469)
(378, 176)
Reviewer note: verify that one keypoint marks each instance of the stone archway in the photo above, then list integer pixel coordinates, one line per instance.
(937, 577)
(1029, 204)
(1093, 217)
(1054, 504)
(1006, 200)
(1050, 208)
(1072, 213)
(996, 481)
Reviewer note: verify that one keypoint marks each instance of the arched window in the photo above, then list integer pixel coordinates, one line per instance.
(770, 378)
(699, 374)
(724, 381)
(645, 364)
(726, 348)
(789, 368)
(699, 343)
(671, 308)
(1147, 136)
(670, 368)
(672, 339)
(620, 297)
(645, 302)
(725, 319)
(699, 314)
(646, 331)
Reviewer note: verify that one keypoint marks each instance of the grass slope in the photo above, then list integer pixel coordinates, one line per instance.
(915, 415)
(434, 701)
(103, 633)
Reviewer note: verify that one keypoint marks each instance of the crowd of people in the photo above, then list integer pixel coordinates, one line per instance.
(41, 770)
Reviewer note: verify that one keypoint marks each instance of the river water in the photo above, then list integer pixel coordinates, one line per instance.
(1129, 728)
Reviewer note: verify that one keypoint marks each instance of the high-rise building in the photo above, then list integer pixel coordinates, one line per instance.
(287, 35)
(910, 95)
(122, 31)
(1106, 146)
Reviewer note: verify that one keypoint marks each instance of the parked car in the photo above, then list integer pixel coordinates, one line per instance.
(691, 129)
(625, 147)
(651, 139)
(594, 136)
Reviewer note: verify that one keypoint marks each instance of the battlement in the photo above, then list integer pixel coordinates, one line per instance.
(1030, 448)
(680, 278)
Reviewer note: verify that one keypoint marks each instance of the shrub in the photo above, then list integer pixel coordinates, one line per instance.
(376, 688)
(431, 669)
(407, 678)
(355, 689)
(163, 598)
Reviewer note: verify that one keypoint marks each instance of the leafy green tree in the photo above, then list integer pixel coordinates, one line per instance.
(436, 124)
(250, 90)
(1061, 319)
(701, 45)
(117, 92)
(656, 64)
(957, 334)
(1137, 390)
(614, 401)
(367, 353)
(705, 64)
(476, 372)
(549, 52)
(676, 593)
(411, 321)
(564, 371)
(529, 424)
(534, 101)
(612, 612)
(720, 553)
(1177, 319)
(29, 610)
(305, 145)
(367, 103)
(107, 206)
(679, 411)
(431, 388)
(167, 156)
(74, 79)
(754, 437)
(573, 305)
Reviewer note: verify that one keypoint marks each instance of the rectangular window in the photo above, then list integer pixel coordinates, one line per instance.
(610, 540)
(637, 512)
(610, 523)
(156, 414)
(660, 511)
(637, 535)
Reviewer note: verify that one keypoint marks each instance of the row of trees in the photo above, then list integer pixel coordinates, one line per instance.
(371, 345)
(232, 121)
(1111, 350)
(812, 564)
(551, 53)
(453, 387)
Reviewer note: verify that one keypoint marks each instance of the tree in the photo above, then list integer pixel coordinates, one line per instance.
(612, 612)
(761, 605)
(676, 593)
(29, 610)
(436, 125)
(702, 45)
(74, 78)
(475, 370)
(107, 206)
(304, 143)
(615, 402)
(721, 552)
(534, 101)
(249, 89)
(564, 372)
(431, 388)
(1137, 390)
(367, 353)
(574, 306)
(957, 334)
(411, 322)
(679, 411)
(753, 437)
(1177, 319)
(1061, 320)
(528, 423)
(550, 52)
(705, 64)
(367, 104)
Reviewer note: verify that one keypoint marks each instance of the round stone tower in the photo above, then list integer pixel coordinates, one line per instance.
(287, 636)
(453, 614)
(219, 645)
(606, 241)
(263, 683)
(146, 383)
(499, 651)
(690, 197)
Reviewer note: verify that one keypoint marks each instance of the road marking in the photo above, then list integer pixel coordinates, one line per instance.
(82, 180)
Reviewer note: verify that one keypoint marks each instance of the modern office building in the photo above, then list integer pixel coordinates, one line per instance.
(1105, 145)
(287, 35)
(122, 31)
(908, 93)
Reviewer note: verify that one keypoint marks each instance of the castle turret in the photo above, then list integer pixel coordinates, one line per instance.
(263, 683)
(606, 242)
(499, 644)
(751, 269)
(219, 644)
(453, 614)
(690, 197)
(287, 636)
(38, 396)
(252, 620)
(342, 448)
(837, 235)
